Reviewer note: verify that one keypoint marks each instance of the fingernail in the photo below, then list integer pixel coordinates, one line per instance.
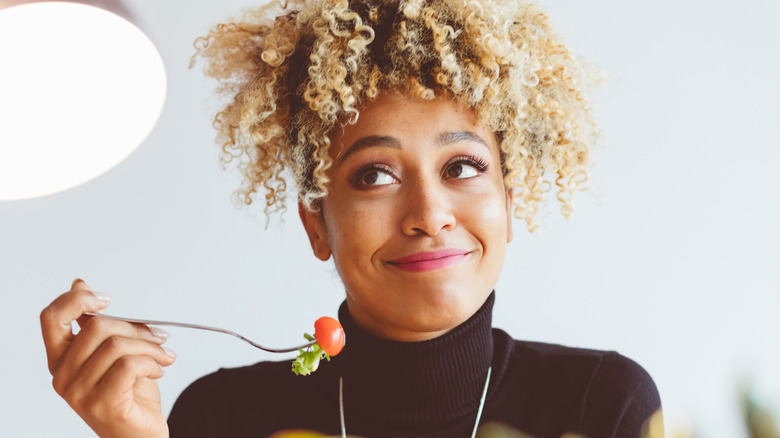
(160, 333)
(169, 352)
(103, 297)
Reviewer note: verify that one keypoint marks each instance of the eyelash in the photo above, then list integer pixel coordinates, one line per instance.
(474, 161)
(357, 178)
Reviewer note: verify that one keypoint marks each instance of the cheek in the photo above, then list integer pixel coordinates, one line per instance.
(486, 217)
(357, 231)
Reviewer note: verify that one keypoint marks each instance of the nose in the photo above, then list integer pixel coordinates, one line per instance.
(427, 209)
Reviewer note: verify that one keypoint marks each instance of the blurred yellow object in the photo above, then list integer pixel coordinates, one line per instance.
(304, 433)
(758, 419)
(654, 426)
(493, 429)
(498, 430)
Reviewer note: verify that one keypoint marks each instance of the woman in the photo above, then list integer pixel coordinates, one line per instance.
(414, 132)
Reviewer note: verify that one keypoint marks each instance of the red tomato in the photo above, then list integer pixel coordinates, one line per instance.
(329, 334)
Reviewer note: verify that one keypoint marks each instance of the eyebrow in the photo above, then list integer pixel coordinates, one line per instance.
(451, 137)
(443, 139)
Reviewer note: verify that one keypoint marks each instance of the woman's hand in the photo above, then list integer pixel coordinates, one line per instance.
(106, 372)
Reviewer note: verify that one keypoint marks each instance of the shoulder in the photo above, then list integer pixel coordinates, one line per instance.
(201, 409)
(570, 369)
(598, 367)
(594, 392)
(621, 397)
(228, 402)
(233, 382)
(216, 404)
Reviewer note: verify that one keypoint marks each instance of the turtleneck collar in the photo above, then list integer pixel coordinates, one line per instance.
(428, 382)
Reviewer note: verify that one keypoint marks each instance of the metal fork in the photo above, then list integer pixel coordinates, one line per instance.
(200, 327)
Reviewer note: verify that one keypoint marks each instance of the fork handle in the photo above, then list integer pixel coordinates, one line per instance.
(200, 327)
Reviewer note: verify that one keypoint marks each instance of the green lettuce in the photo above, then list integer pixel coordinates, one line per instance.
(308, 360)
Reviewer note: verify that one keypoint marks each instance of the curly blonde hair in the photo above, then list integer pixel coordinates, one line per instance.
(291, 70)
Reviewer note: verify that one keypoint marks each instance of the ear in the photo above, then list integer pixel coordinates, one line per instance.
(315, 229)
(509, 215)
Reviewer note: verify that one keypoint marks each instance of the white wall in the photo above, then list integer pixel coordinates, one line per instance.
(674, 265)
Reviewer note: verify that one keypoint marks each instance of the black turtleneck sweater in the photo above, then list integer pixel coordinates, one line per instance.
(427, 389)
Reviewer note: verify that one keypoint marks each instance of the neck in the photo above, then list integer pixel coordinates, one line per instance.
(436, 380)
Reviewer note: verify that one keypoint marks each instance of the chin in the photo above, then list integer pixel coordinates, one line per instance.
(443, 309)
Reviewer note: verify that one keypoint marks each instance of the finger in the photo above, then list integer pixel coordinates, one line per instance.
(94, 333)
(114, 349)
(96, 329)
(124, 373)
(116, 385)
(117, 347)
(57, 317)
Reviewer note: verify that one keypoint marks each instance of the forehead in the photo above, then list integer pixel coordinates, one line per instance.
(406, 118)
(394, 106)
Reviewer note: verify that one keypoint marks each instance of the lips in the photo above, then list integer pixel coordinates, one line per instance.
(429, 261)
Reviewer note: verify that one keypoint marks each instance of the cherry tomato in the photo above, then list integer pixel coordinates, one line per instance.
(329, 334)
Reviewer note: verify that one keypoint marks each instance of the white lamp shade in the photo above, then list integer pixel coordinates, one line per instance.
(80, 90)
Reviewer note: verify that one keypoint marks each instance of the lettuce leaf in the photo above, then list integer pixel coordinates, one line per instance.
(308, 360)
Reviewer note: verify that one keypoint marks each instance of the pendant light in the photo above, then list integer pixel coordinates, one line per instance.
(81, 87)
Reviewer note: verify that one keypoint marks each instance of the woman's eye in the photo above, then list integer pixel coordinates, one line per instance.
(376, 178)
(462, 170)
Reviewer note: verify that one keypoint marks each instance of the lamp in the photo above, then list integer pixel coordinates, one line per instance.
(80, 89)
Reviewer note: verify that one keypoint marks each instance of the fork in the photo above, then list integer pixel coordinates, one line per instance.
(201, 327)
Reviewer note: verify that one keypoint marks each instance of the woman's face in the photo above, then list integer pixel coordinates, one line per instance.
(417, 218)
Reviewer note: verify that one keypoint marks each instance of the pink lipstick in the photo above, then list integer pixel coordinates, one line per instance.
(429, 261)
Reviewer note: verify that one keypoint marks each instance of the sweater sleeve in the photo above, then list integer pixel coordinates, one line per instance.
(621, 398)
